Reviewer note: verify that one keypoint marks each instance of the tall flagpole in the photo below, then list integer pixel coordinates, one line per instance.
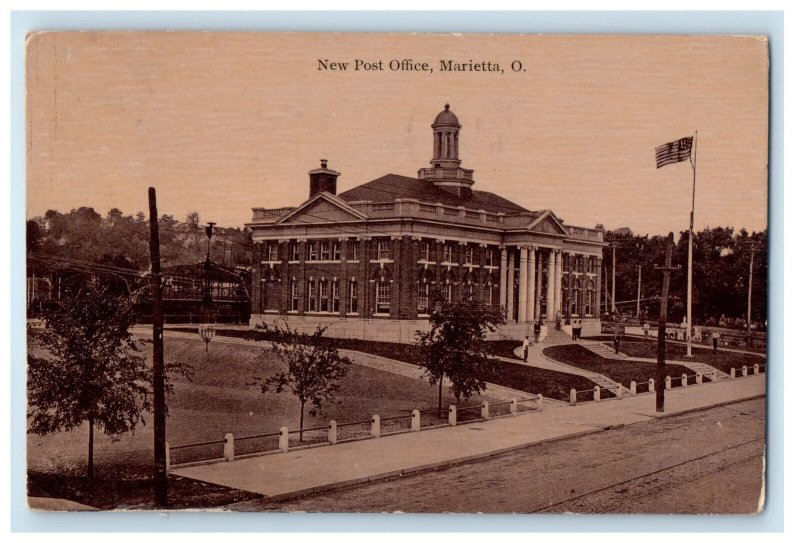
(691, 244)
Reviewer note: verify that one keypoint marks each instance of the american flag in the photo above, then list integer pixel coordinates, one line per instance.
(674, 151)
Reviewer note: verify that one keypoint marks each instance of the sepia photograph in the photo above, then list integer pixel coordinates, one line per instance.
(399, 272)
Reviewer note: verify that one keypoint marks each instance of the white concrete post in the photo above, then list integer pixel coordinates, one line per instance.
(619, 391)
(485, 411)
(756, 369)
(633, 388)
(733, 373)
(597, 393)
(452, 415)
(513, 407)
(668, 383)
(539, 402)
(573, 397)
(651, 385)
(333, 433)
(415, 420)
(283, 441)
(166, 452)
(713, 375)
(375, 431)
(699, 378)
(684, 380)
(744, 371)
(227, 449)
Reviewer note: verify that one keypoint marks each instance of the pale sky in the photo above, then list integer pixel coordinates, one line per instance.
(223, 122)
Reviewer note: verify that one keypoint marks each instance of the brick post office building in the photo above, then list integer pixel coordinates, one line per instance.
(366, 261)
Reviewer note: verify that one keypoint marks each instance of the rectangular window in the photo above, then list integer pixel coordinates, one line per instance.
(294, 251)
(353, 303)
(336, 250)
(423, 292)
(425, 251)
(353, 248)
(312, 250)
(335, 296)
(382, 297)
(468, 256)
(311, 296)
(272, 252)
(325, 250)
(448, 254)
(470, 291)
(489, 256)
(383, 250)
(323, 296)
(294, 295)
(448, 293)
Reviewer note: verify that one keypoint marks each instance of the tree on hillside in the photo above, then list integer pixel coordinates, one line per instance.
(92, 370)
(455, 346)
(312, 366)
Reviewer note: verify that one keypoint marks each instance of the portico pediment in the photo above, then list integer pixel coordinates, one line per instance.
(548, 223)
(322, 208)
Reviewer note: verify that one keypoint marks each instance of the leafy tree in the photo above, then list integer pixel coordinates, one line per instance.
(455, 346)
(93, 370)
(312, 366)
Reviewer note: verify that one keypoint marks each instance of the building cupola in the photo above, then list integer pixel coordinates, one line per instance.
(446, 171)
(322, 179)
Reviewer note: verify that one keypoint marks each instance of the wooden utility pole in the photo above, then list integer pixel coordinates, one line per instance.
(613, 277)
(159, 401)
(750, 295)
(639, 293)
(661, 366)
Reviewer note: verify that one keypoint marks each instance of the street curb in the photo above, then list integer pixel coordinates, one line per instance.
(319, 489)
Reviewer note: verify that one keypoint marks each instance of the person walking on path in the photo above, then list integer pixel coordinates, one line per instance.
(616, 343)
(537, 330)
(525, 344)
(574, 329)
(715, 340)
(578, 329)
(646, 329)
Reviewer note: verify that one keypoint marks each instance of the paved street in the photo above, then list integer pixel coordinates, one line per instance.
(706, 461)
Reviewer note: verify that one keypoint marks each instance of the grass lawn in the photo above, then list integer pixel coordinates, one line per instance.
(551, 384)
(724, 360)
(620, 371)
(219, 399)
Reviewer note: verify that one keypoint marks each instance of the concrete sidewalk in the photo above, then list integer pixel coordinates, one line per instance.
(301, 472)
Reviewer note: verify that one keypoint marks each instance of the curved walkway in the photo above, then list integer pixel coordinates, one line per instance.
(376, 362)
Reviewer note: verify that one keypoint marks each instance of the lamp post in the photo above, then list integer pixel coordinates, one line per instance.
(206, 329)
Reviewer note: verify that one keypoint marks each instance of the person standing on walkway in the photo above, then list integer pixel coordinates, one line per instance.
(715, 340)
(537, 330)
(525, 344)
(578, 332)
(646, 329)
(616, 343)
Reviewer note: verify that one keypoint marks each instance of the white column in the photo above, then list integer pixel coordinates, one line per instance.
(551, 281)
(523, 284)
(510, 283)
(598, 285)
(531, 283)
(559, 267)
(503, 276)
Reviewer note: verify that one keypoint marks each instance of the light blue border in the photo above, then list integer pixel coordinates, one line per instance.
(765, 23)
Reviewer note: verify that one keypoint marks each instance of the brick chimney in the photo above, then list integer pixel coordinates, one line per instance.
(322, 179)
